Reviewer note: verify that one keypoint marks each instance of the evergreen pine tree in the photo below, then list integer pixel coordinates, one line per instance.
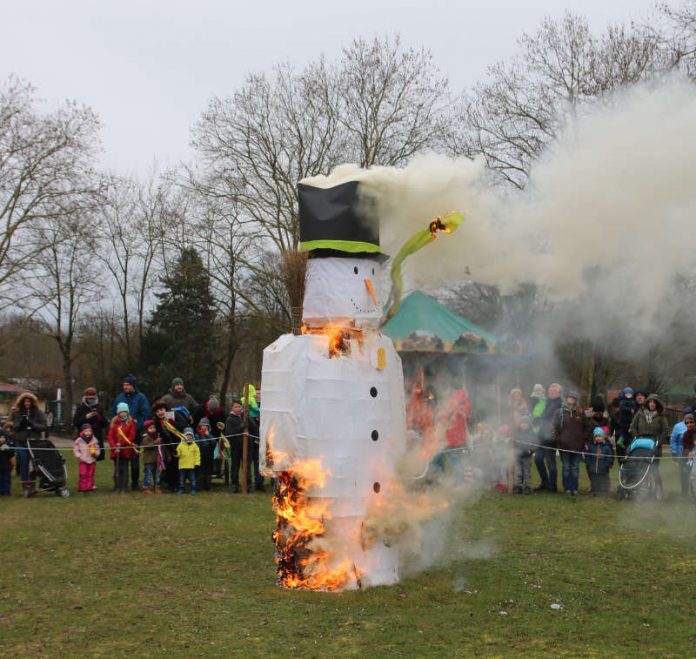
(180, 338)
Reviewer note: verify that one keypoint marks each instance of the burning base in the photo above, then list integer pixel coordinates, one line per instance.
(303, 559)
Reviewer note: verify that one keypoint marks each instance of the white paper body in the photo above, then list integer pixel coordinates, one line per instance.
(350, 415)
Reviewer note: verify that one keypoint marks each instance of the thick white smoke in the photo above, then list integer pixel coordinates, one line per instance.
(609, 213)
(612, 201)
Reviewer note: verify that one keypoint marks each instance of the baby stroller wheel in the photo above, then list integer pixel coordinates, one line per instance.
(64, 492)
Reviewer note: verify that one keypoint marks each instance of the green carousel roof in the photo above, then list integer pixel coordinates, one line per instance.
(423, 324)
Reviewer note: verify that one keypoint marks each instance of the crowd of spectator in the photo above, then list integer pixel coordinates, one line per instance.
(543, 425)
(176, 444)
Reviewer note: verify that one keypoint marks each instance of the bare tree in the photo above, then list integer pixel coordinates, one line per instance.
(130, 229)
(254, 146)
(217, 237)
(521, 107)
(393, 101)
(45, 171)
(678, 34)
(66, 282)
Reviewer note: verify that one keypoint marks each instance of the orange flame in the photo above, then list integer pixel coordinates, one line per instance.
(303, 561)
(437, 225)
(337, 335)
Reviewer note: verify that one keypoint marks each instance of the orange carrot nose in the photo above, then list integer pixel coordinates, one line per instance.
(371, 290)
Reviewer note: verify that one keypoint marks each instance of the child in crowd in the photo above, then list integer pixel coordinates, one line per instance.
(518, 407)
(7, 463)
(122, 442)
(206, 445)
(501, 445)
(524, 440)
(86, 449)
(189, 458)
(152, 457)
(599, 458)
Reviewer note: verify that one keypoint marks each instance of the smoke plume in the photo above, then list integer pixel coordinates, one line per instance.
(612, 202)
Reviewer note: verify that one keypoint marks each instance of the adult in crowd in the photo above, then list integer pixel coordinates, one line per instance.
(177, 396)
(28, 422)
(139, 410)
(420, 420)
(89, 410)
(234, 429)
(170, 437)
(537, 405)
(650, 422)
(676, 445)
(212, 410)
(255, 435)
(641, 397)
(569, 430)
(688, 442)
(545, 455)
(621, 420)
(518, 407)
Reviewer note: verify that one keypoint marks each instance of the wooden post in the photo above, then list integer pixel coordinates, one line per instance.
(245, 439)
(511, 468)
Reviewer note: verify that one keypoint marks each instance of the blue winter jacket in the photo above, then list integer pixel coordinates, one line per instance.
(606, 457)
(138, 407)
(676, 442)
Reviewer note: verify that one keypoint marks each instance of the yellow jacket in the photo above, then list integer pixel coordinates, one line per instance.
(189, 455)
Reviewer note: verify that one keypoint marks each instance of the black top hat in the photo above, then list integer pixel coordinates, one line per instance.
(336, 221)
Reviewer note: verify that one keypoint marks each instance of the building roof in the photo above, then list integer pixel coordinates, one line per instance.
(423, 324)
(7, 388)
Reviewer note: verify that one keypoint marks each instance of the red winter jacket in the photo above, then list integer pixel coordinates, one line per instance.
(456, 415)
(120, 446)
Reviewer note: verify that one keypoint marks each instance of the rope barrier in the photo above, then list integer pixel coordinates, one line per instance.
(462, 449)
(108, 447)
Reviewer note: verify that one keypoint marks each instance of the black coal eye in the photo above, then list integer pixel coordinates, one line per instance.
(373, 271)
(355, 269)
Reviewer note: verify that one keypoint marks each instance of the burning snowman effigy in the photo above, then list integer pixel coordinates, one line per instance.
(333, 425)
(333, 420)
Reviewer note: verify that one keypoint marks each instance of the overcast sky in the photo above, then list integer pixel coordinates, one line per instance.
(148, 67)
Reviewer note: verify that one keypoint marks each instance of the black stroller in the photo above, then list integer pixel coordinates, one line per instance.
(49, 466)
(635, 478)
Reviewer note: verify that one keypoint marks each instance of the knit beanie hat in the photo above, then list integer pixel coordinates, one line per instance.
(573, 393)
(189, 431)
(597, 404)
(599, 431)
(85, 426)
(204, 422)
(177, 381)
(122, 407)
(131, 380)
(90, 392)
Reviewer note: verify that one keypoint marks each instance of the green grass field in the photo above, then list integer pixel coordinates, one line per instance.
(108, 575)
